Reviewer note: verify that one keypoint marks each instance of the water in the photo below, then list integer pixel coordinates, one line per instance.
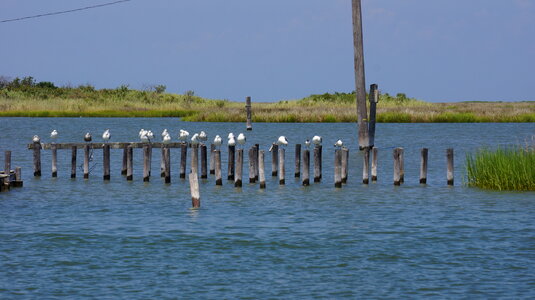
(93, 239)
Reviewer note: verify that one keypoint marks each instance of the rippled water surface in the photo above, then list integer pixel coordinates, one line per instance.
(76, 238)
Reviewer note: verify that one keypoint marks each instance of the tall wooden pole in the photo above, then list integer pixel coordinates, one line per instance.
(360, 83)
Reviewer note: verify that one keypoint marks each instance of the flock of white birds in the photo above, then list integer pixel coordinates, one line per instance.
(196, 138)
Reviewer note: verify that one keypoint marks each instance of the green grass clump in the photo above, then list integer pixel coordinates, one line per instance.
(504, 169)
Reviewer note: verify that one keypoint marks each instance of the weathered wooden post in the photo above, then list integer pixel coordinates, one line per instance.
(231, 166)
(125, 161)
(194, 189)
(74, 152)
(374, 164)
(167, 164)
(106, 162)
(366, 166)
(261, 173)
(36, 159)
(297, 160)
(150, 158)
(204, 169)
(86, 161)
(449, 155)
(248, 108)
(338, 168)
(306, 167)
(212, 160)
(7, 165)
(54, 149)
(274, 159)
(252, 162)
(129, 163)
(423, 165)
(397, 166)
(217, 171)
(257, 166)
(183, 159)
(18, 177)
(373, 98)
(162, 164)
(239, 169)
(401, 154)
(359, 76)
(317, 163)
(195, 159)
(345, 162)
(146, 163)
(282, 167)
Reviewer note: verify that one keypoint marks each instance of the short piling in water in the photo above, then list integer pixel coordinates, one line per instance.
(194, 159)
(252, 163)
(274, 160)
(374, 164)
(18, 178)
(125, 161)
(217, 167)
(397, 168)
(282, 167)
(366, 166)
(204, 158)
(401, 154)
(231, 162)
(146, 163)
(423, 165)
(129, 163)
(261, 170)
(317, 163)
(36, 159)
(297, 173)
(306, 167)
(373, 99)
(257, 156)
(150, 158)
(183, 160)
(54, 161)
(249, 124)
(338, 168)
(194, 190)
(345, 162)
(86, 161)
(106, 162)
(74, 152)
(239, 169)
(167, 164)
(212, 160)
(449, 157)
(162, 164)
(7, 165)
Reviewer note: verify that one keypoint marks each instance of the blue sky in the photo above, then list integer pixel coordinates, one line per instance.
(440, 50)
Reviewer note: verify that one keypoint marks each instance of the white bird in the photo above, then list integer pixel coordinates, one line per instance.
(87, 137)
(183, 135)
(217, 141)
(143, 136)
(241, 139)
(307, 143)
(142, 132)
(231, 141)
(54, 134)
(167, 138)
(36, 139)
(339, 144)
(106, 135)
(316, 140)
(150, 135)
(230, 135)
(164, 132)
(202, 136)
(195, 139)
(282, 141)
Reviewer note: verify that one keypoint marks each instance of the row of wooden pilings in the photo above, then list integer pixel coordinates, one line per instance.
(10, 178)
(256, 158)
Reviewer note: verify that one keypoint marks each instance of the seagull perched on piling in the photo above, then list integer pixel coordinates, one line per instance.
(195, 139)
(317, 140)
(164, 132)
(183, 135)
(203, 137)
(231, 140)
(36, 139)
(339, 144)
(307, 143)
(217, 141)
(143, 135)
(282, 141)
(150, 135)
(54, 134)
(87, 137)
(241, 139)
(106, 135)
(166, 138)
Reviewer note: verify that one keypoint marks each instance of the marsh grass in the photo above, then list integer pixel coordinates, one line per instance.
(511, 169)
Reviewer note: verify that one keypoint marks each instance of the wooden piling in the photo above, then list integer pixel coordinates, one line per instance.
(338, 168)
(239, 168)
(194, 159)
(36, 159)
(146, 163)
(7, 166)
(449, 157)
(282, 166)
(248, 109)
(217, 166)
(274, 160)
(257, 157)
(261, 173)
(18, 178)
(306, 167)
(252, 162)
(212, 161)
(150, 159)
(86, 161)
(162, 163)
(231, 165)
(74, 152)
(167, 164)
(204, 166)
(194, 189)
(183, 159)
(397, 168)
(374, 164)
(297, 173)
(401, 154)
(345, 162)
(373, 99)
(125, 161)
(366, 166)
(54, 161)
(129, 163)
(106, 163)
(317, 163)
(423, 165)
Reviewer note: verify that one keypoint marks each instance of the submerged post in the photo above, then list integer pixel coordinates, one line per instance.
(167, 164)
(231, 166)
(359, 76)
(74, 152)
(449, 155)
(282, 167)
(317, 163)
(261, 173)
(338, 168)
(396, 155)
(217, 171)
(86, 161)
(345, 162)
(374, 164)
(239, 169)
(146, 163)
(36, 159)
(274, 159)
(212, 161)
(54, 160)
(373, 98)
(297, 160)
(183, 159)
(366, 166)
(306, 167)
(125, 161)
(129, 163)
(204, 171)
(106, 162)
(194, 189)
(248, 108)
(423, 165)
